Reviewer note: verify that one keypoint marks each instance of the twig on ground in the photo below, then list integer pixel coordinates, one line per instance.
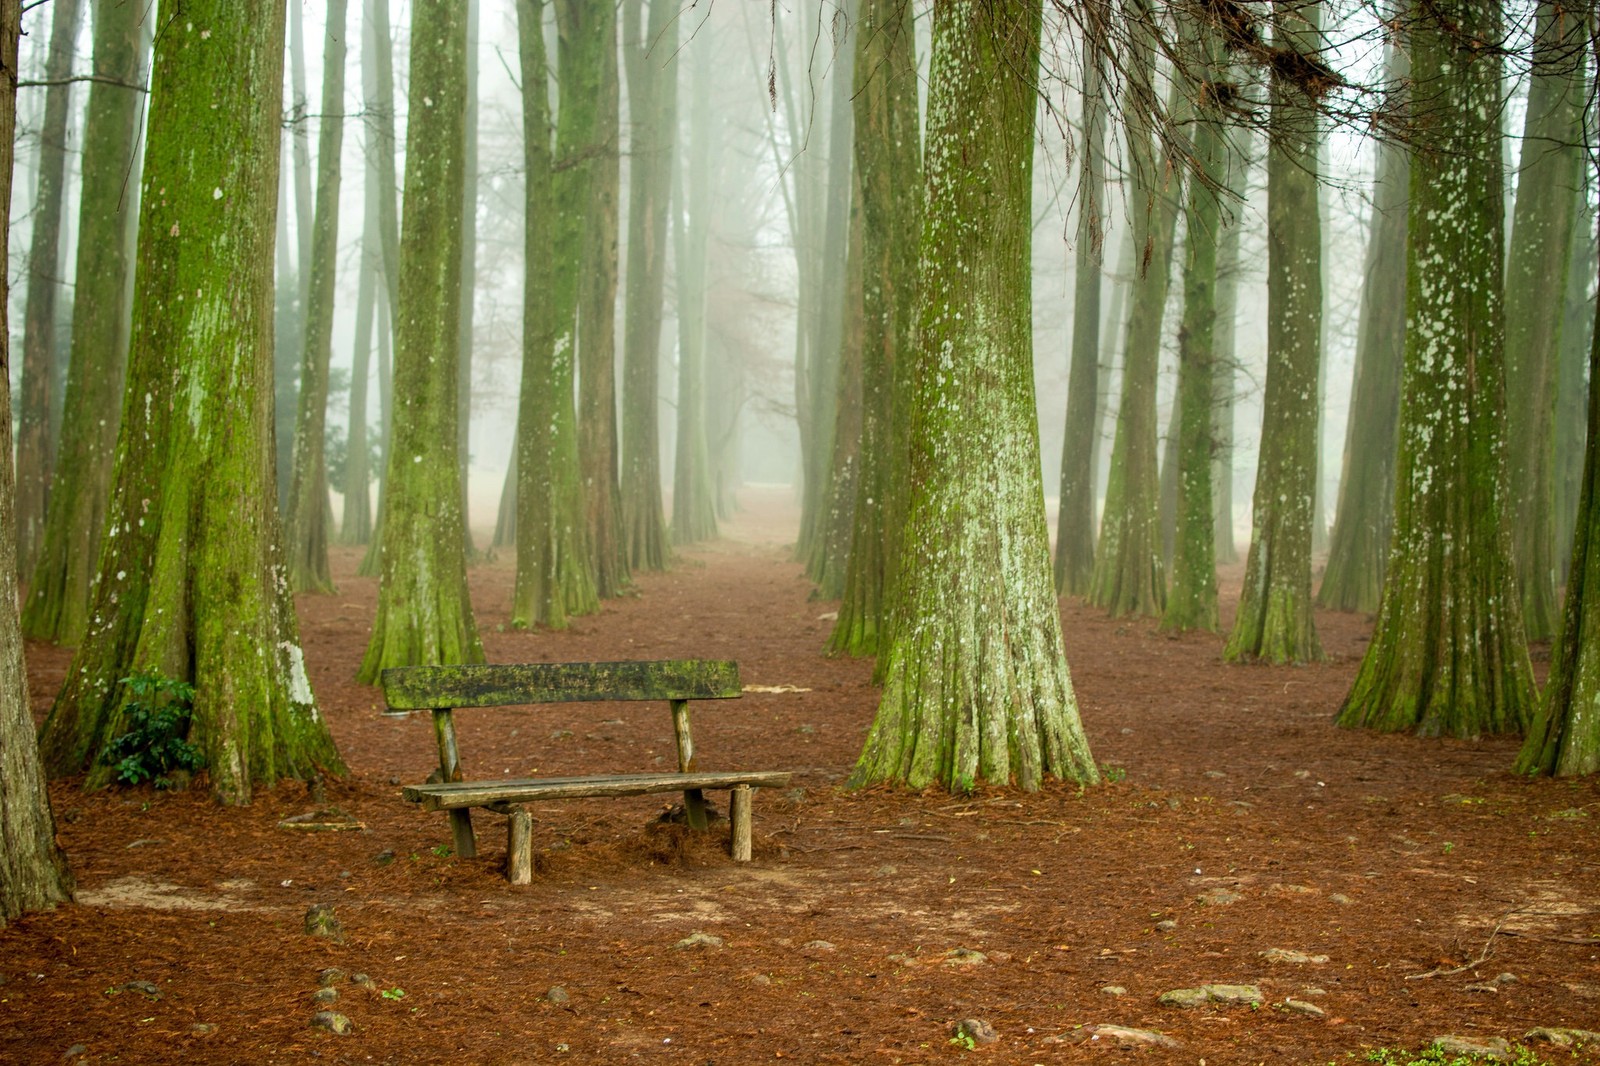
(1483, 955)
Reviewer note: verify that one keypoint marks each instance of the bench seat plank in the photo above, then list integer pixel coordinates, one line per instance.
(455, 795)
(502, 685)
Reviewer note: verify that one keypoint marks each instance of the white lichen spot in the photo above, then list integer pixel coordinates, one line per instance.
(216, 194)
(299, 683)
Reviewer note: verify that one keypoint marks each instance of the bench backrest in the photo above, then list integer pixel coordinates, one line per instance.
(438, 687)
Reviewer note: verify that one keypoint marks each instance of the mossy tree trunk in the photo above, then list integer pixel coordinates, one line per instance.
(191, 577)
(1565, 736)
(424, 615)
(1225, 361)
(586, 202)
(976, 687)
(1364, 518)
(888, 170)
(33, 871)
(833, 526)
(1550, 172)
(651, 51)
(307, 518)
(1577, 331)
(1274, 622)
(469, 275)
(1128, 577)
(1448, 655)
(555, 578)
(59, 593)
(1192, 602)
(694, 515)
(1074, 557)
(35, 449)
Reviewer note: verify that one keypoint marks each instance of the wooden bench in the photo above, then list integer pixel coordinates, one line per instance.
(444, 689)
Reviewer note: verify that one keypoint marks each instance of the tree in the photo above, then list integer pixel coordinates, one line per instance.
(1192, 602)
(1274, 621)
(35, 449)
(976, 686)
(59, 594)
(1224, 349)
(1577, 330)
(33, 872)
(1127, 577)
(1565, 736)
(888, 171)
(469, 274)
(191, 580)
(356, 525)
(1074, 559)
(555, 578)
(1448, 655)
(694, 516)
(424, 614)
(586, 242)
(307, 517)
(650, 49)
(1550, 172)
(1364, 517)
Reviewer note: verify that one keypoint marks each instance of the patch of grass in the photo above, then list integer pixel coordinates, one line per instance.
(1434, 1055)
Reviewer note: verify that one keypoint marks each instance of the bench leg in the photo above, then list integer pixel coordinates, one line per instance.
(461, 831)
(519, 847)
(694, 808)
(739, 815)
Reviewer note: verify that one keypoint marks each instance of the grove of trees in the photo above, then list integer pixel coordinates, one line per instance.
(893, 252)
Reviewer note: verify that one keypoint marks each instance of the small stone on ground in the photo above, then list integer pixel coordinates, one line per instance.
(1223, 995)
(1300, 1006)
(333, 1022)
(1299, 958)
(975, 1029)
(1120, 1036)
(321, 922)
(698, 939)
(1490, 1048)
(1564, 1037)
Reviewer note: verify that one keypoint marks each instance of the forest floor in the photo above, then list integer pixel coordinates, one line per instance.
(1427, 889)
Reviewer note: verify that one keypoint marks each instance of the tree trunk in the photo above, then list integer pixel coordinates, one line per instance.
(888, 169)
(1225, 360)
(835, 520)
(1565, 736)
(33, 871)
(1577, 331)
(1551, 171)
(1127, 577)
(1192, 603)
(555, 579)
(424, 615)
(651, 50)
(35, 449)
(191, 576)
(1274, 621)
(694, 516)
(1074, 558)
(307, 518)
(976, 684)
(1364, 518)
(469, 276)
(59, 593)
(1448, 655)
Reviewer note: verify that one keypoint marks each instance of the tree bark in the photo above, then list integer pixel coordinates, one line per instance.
(1074, 558)
(59, 594)
(1448, 655)
(1192, 603)
(469, 277)
(191, 576)
(888, 169)
(1550, 172)
(424, 615)
(650, 48)
(1274, 621)
(976, 686)
(1577, 331)
(307, 518)
(35, 448)
(33, 871)
(1364, 517)
(555, 578)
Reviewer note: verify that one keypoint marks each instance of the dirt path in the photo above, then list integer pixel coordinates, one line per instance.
(1238, 821)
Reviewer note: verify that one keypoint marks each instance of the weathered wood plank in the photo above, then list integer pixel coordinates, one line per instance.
(739, 816)
(456, 795)
(519, 847)
(444, 729)
(419, 687)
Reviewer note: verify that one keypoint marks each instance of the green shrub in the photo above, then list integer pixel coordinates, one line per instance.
(157, 715)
